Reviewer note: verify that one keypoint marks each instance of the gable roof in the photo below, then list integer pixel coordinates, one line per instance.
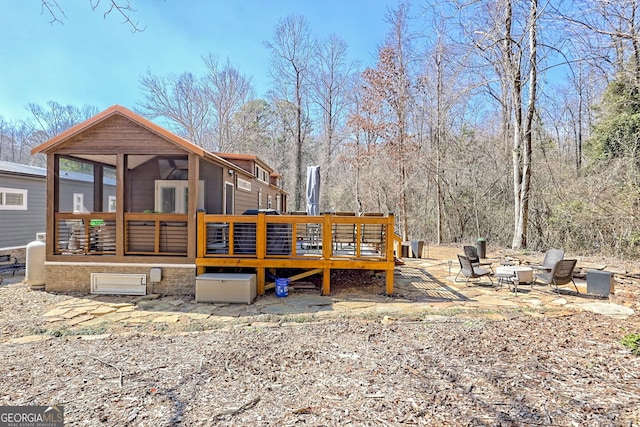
(226, 159)
(125, 112)
(249, 157)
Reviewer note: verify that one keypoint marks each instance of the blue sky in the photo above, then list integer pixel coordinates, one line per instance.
(90, 60)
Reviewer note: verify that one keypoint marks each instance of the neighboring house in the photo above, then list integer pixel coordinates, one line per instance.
(161, 182)
(22, 203)
(23, 200)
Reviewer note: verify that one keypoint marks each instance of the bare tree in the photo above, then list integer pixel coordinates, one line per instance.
(387, 98)
(183, 100)
(252, 127)
(510, 47)
(291, 51)
(227, 91)
(330, 82)
(57, 118)
(119, 7)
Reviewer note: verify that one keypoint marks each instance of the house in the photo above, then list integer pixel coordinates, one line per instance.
(23, 200)
(266, 178)
(22, 203)
(136, 229)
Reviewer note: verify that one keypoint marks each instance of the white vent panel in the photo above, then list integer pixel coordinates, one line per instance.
(120, 284)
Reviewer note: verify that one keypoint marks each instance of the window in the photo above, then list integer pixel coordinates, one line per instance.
(78, 203)
(13, 199)
(262, 174)
(172, 196)
(269, 202)
(112, 203)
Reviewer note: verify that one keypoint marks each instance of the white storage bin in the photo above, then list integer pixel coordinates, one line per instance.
(226, 287)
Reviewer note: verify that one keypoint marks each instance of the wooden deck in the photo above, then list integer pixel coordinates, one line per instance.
(312, 243)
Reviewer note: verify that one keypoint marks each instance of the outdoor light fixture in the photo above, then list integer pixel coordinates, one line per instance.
(231, 172)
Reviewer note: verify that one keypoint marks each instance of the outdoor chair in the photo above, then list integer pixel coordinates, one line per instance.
(344, 233)
(373, 234)
(560, 274)
(472, 253)
(551, 258)
(470, 272)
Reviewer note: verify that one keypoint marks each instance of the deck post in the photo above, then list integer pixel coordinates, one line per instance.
(201, 240)
(389, 281)
(261, 250)
(327, 237)
(389, 239)
(326, 281)
(327, 249)
(260, 279)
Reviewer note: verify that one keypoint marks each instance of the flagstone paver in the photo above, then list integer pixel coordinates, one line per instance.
(29, 339)
(96, 321)
(74, 312)
(80, 319)
(168, 318)
(102, 310)
(122, 305)
(197, 316)
(611, 310)
(56, 312)
(116, 316)
(422, 286)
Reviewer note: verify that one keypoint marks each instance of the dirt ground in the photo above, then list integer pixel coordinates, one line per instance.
(552, 368)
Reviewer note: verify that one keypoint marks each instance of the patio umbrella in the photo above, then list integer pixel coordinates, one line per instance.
(313, 190)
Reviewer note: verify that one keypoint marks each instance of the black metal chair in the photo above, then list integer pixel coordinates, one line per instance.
(551, 258)
(560, 274)
(472, 253)
(470, 272)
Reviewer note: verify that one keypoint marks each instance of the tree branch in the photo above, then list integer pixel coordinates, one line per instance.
(123, 7)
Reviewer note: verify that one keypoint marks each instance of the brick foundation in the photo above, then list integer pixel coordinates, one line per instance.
(77, 278)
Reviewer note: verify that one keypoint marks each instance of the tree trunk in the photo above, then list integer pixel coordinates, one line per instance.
(522, 189)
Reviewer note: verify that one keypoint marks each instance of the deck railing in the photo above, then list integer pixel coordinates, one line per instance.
(156, 234)
(145, 234)
(85, 233)
(316, 244)
(325, 236)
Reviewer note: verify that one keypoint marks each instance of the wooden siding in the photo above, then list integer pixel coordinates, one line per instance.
(250, 200)
(244, 164)
(17, 228)
(118, 135)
